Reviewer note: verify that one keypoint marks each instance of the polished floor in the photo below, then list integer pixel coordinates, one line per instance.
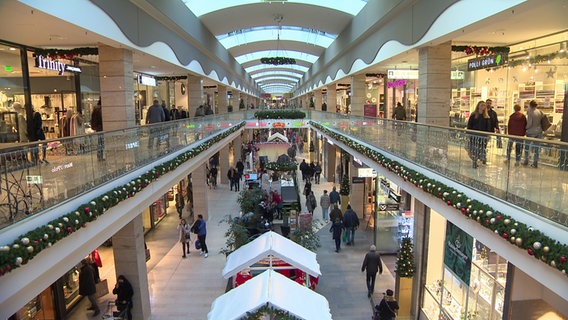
(185, 288)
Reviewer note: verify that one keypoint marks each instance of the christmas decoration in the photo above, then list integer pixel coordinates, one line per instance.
(170, 78)
(277, 60)
(480, 50)
(405, 259)
(344, 188)
(280, 114)
(282, 167)
(269, 310)
(514, 232)
(67, 53)
(18, 255)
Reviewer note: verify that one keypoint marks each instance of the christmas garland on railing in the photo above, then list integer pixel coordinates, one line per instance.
(67, 53)
(280, 114)
(28, 245)
(281, 167)
(536, 244)
(480, 50)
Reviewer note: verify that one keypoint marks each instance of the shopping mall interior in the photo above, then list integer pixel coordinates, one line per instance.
(118, 119)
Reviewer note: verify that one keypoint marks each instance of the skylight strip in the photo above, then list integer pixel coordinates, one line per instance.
(260, 67)
(242, 59)
(277, 78)
(199, 8)
(267, 35)
(275, 73)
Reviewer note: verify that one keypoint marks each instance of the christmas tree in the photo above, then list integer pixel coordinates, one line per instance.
(344, 188)
(405, 260)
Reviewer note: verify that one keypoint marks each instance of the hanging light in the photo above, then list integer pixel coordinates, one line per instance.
(278, 60)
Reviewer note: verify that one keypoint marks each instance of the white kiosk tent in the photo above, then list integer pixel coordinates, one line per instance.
(278, 137)
(269, 245)
(272, 289)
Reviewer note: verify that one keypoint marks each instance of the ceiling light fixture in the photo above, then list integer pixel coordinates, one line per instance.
(277, 60)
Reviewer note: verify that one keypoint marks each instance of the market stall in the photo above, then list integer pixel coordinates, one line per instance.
(270, 291)
(273, 251)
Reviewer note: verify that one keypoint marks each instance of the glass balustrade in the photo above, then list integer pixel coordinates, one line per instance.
(29, 185)
(36, 176)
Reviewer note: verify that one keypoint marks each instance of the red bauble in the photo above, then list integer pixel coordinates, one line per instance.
(84, 225)
(486, 221)
(499, 217)
(449, 203)
(530, 251)
(87, 209)
(439, 195)
(563, 259)
(1, 271)
(8, 268)
(69, 230)
(505, 235)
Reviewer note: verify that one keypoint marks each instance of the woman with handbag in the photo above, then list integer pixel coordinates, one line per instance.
(387, 308)
(184, 236)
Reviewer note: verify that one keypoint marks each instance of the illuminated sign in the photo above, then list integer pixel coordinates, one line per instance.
(34, 180)
(55, 65)
(402, 74)
(366, 172)
(147, 81)
(396, 83)
(279, 125)
(486, 62)
(458, 75)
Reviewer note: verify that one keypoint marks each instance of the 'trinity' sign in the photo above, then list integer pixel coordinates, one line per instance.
(55, 65)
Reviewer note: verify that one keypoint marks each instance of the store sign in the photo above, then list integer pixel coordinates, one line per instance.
(55, 65)
(458, 75)
(485, 62)
(147, 81)
(402, 74)
(357, 180)
(132, 145)
(396, 83)
(458, 251)
(34, 180)
(388, 207)
(393, 195)
(366, 173)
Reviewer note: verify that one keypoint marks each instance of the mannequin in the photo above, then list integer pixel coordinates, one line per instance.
(22, 125)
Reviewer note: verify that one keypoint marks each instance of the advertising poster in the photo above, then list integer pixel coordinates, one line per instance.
(457, 252)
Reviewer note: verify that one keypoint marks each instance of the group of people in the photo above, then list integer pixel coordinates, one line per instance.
(484, 118)
(310, 171)
(199, 228)
(343, 225)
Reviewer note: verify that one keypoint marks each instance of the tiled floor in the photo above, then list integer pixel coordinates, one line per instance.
(185, 288)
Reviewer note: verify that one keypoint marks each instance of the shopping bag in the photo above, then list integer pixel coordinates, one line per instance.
(102, 288)
(197, 245)
(344, 236)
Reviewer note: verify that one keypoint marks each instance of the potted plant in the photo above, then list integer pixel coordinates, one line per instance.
(405, 269)
(236, 235)
(230, 108)
(344, 190)
(241, 104)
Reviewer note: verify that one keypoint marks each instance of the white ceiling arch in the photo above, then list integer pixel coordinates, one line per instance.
(281, 78)
(276, 73)
(285, 67)
(285, 33)
(200, 8)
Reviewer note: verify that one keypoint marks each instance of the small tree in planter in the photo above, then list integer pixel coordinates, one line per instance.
(236, 235)
(344, 191)
(312, 103)
(405, 270)
(241, 104)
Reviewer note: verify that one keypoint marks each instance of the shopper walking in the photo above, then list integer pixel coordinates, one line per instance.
(325, 203)
(200, 227)
(317, 173)
(336, 213)
(87, 286)
(155, 114)
(311, 203)
(334, 197)
(387, 308)
(184, 236)
(479, 120)
(124, 292)
(97, 125)
(534, 130)
(351, 222)
(516, 127)
(336, 230)
(373, 264)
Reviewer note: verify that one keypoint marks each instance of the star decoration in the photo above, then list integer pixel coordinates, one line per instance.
(550, 73)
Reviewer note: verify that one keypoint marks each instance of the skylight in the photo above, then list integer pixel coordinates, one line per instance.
(282, 53)
(267, 33)
(276, 73)
(199, 8)
(277, 78)
(259, 67)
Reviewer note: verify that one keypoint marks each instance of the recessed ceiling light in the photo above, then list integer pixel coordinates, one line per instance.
(12, 49)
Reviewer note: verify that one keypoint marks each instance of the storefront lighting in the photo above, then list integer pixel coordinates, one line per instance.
(562, 47)
(524, 69)
(12, 49)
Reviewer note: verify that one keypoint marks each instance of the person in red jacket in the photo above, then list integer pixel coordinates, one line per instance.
(516, 127)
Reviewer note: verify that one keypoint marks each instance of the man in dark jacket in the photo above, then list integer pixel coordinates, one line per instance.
(373, 264)
(516, 127)
(97, 125)
(87, 285)
(335, 213)
(334, 197)
(351, 222)
(124, 293)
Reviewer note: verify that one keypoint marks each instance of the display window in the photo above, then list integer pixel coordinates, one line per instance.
(39, 308)
(393, 221)
(12, 113)
(71, 287)
(466, 280)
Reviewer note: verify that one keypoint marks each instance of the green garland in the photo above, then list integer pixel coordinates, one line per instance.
(67, 53)
(28, 245)
(480, 50)
(267, 309)
(405, 260)
(282, 167)
(537, 59)
(536, 243)
(170, 78)
(280, 114)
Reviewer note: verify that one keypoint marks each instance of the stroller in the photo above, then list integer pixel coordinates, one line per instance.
(112, 312)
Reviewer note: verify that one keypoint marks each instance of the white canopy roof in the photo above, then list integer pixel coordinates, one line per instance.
(278, 136)
(274, 289)
(271, 243)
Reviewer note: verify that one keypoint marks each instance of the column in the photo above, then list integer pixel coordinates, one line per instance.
(130, 261)
(358, 89)
(237, 143)
(223, 164)
(199, 182)
(222, 98)
(435, 85)
(331, 99)
(330, 170)
(318, 99)
(117, 86)
(195, 93)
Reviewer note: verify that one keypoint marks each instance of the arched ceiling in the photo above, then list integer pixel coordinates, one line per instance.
(255, 29)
